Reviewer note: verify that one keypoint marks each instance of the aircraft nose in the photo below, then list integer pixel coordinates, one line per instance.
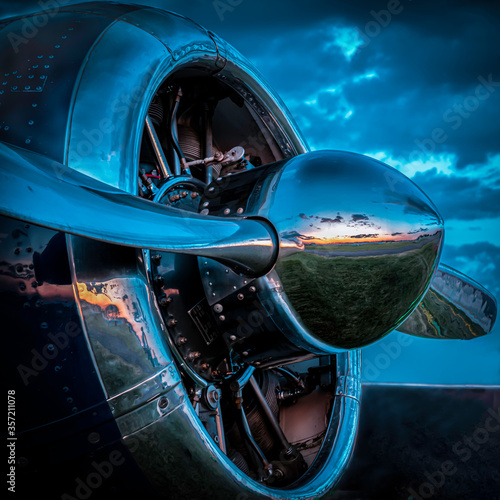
(359, 244)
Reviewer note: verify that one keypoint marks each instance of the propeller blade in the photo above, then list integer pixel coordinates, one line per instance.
(35, 189)
(454, 307)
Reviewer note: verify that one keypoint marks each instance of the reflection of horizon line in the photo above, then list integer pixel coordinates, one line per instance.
(308, 240)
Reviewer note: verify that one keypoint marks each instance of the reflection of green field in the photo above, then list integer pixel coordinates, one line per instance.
(351, 301)
(353, 247)
(437, 318)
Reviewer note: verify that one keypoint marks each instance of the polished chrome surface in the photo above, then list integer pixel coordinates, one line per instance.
(455, 307)
(370, 242)
(35, 189)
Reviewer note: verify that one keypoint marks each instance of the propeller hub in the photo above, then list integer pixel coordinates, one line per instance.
(359, 244)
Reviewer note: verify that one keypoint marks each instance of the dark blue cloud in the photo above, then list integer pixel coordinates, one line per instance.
(481, 261)
(460, 197)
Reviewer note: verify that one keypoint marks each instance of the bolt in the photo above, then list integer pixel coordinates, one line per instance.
(218, 308)
(156, 258)
(164, 301)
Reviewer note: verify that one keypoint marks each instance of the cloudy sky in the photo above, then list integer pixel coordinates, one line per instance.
(413, 83)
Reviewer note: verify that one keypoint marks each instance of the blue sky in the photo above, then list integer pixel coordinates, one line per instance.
(415, 84)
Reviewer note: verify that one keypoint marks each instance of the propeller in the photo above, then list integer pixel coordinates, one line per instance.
(347, 246)
(454, 307)
(36, 189)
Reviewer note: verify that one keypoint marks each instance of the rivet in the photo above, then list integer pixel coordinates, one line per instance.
(222, 317)
(194, 195)
(240, 296)
(204, 211)
(245, 353)
(227, 211)
(232, 337)
(205, 204)
(239, 211)
(182, 340)
(172, 322)
(194, 354)
(252, 289)
(211, 189)
(94, 437)
(218, 308)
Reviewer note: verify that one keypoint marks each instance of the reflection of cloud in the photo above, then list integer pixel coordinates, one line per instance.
(415, 231)
(357, 217)
(333, 221)
(376, 235)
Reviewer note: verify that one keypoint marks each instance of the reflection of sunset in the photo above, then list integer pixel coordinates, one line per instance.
(353, 228)
(363, 238)
(112, 309)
